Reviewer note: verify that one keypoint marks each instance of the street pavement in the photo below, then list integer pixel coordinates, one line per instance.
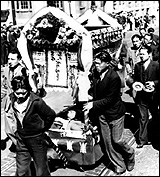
(147, 158)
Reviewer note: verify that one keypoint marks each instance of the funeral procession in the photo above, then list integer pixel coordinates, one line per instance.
(80, 88)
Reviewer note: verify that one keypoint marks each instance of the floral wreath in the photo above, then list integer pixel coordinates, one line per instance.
(51, 33)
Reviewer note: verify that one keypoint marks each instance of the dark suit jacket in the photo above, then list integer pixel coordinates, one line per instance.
(156, 39)
(106, 96)
(151, 74)
(155, 51)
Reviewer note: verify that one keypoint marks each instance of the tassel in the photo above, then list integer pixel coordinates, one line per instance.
(61, 155)
(50, 144)
(69, 145)
(83, 147)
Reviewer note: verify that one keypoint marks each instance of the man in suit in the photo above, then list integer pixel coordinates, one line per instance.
(154, 36)
(14, 68)
(146, 72)
(133, 53)
(148, 40)
(142, 31)
(131, 59)
(107, 111)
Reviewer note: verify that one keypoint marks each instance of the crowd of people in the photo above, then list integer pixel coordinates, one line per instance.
(132, 21)
(9, 35)
(28, 117)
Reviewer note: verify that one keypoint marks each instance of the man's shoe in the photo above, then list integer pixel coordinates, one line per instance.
(119, 171)
(148, 143)
(13, 148)
(130, 162)
(142, 144)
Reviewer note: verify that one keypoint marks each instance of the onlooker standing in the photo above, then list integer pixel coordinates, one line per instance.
(133, 53)
(146, 72)
(148, 40)
(12, 37)
(33, 117)
(154, 36)
(107, 111)
(142, 32)
(14, 68)
(4, 48)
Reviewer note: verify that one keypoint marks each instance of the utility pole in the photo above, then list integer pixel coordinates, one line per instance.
(13, 12)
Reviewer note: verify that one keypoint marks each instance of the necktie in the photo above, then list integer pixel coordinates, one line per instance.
(143, 73)
(11, 75)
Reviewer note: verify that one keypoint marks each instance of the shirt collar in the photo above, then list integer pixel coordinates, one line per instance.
(146, 63)
(103, 74)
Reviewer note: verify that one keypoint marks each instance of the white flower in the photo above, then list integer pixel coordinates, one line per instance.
(44, 23)
(62, 29)
(75, 37)
(30, 36)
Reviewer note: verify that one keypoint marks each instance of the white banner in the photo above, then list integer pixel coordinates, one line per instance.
(39, 58)
(57, 69)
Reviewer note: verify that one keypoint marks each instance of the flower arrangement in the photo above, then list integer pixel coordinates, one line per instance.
(51, 33)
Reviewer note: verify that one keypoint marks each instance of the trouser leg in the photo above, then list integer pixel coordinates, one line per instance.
(23, 159)
(39, 153)
(153, 126)
(115, 157)
(143, 123)
(117, 132)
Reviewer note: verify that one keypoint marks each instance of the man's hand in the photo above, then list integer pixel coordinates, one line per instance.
(87, 106)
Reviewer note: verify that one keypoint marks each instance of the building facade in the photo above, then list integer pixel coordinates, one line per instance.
(19, 12)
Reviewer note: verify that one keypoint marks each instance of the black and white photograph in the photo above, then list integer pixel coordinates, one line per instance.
(80, 88)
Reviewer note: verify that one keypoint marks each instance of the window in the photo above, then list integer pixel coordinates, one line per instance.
(142, 3)
(81, 6)
(103, 3)
(58, 4)
(23, 6)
